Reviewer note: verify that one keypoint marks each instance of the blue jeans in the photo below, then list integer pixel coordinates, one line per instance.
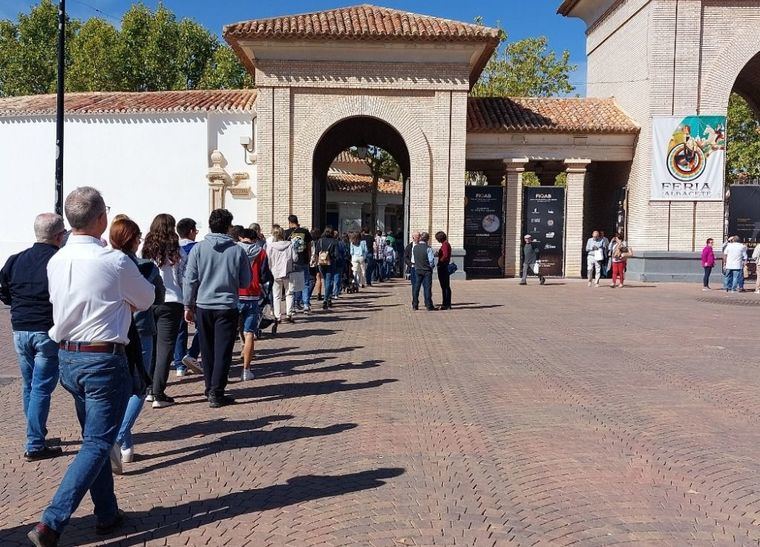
(732, 280)
(371, 273)
(38, 361)
(180, 346)
(337, 278)
(135, 404)
(424, 281)
(101, 385)
(308, 288)
(413, 279)
(328, 278)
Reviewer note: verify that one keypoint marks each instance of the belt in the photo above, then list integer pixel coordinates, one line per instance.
(92, 347)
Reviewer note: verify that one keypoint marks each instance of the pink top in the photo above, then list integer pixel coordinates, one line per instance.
(708, 257)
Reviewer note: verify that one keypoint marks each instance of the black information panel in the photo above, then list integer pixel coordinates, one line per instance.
(484, 231)
(744, 213)
(544, 219)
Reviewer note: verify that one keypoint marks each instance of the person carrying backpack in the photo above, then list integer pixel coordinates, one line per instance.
(327, 259)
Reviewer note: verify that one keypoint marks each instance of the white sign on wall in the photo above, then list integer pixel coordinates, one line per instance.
(689, 158)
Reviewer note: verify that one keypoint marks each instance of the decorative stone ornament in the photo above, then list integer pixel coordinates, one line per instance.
(219, 181)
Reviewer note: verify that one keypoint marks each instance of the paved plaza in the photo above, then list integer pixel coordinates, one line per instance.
(555, 415)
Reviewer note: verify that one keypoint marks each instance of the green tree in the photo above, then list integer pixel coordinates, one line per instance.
(95, 64)
(525, 68)
(28, 50)
(197, 47)
(743, 150)
(225, 71)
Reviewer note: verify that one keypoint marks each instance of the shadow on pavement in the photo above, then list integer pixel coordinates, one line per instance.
(241, 439)
(278, 392)
(163, 522)
(206, 427)
(283, 369)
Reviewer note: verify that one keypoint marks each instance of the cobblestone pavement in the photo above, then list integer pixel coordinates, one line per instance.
(555, 415)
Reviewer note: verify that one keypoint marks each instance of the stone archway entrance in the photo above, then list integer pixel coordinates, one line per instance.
(355, 131)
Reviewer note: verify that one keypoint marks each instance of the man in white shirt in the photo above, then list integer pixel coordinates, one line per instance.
(734, 257)
(94, 291)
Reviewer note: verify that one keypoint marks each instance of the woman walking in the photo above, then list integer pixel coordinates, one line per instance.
(708, 262)
(125, 236)
(444, 259)
(326, 248)
(162, 247)
(281, 255)
(359, 258)
(316, 285)
(620, 252)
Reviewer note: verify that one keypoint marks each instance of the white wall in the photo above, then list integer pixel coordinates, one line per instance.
(224, 132)
(144, 165)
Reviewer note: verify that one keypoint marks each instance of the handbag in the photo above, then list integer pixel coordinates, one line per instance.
(598, 255)
(536, 268)
(452, 268)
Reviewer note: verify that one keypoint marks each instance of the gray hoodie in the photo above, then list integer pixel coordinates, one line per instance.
(216, 269)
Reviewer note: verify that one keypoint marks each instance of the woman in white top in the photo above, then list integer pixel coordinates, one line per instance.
(162, 247)
(358, 258)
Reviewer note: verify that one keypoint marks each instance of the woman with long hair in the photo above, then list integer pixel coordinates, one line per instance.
(125, 236)
(359, 252)
(444, 259)
(162, 247)
(314, 270)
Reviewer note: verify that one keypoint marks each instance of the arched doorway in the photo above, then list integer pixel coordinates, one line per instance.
(357, 131)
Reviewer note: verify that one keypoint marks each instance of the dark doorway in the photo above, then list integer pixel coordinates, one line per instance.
(359, 131)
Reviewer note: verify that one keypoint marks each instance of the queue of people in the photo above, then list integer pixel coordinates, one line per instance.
(109, 314)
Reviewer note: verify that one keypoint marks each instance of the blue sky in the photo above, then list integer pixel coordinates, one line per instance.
(520, 18)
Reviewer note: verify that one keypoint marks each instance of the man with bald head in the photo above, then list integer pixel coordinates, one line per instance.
(24, 286)
(409, 259)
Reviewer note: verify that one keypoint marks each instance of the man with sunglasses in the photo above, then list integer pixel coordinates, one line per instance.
(24, 287)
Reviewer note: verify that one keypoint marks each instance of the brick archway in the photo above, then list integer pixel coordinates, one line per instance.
(727, 74)
(385, 109)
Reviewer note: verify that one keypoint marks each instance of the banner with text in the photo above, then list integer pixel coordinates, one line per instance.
(544, 219)
(689, 158)
(484, 231)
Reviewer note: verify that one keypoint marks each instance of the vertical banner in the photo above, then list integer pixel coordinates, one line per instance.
(689, 158)
(544, 219)
(484, 231)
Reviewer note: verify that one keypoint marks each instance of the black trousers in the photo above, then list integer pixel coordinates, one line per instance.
(444, 279)
(218, 329)
(168, 317)
(706, 278)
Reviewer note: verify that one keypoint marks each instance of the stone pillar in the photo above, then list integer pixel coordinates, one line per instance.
(574, 236)
(218, 179)
(380, 216)
(513, 198)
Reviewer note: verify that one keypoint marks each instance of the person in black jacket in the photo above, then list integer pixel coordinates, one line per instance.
(326, 249)
(24, 286)
(530, 261)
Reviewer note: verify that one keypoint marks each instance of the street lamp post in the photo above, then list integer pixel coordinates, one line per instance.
(59, 108)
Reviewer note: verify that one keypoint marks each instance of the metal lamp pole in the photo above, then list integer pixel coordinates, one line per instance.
(59, 108)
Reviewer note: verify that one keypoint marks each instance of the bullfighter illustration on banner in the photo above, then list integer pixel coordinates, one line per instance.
(689, 158)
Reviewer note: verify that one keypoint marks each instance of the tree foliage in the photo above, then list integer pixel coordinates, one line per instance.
(150, 51)
(743, 152)
(525, 68)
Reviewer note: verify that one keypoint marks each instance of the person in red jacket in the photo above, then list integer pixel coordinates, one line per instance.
(444, 259)
(248, 303)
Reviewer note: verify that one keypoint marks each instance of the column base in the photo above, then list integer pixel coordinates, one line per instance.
(457, 257)
(669, 266)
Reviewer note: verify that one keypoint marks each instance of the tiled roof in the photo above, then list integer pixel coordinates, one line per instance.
(236, 100)
(347, 157)
(340, 181)
(547, 115)
(364, 22)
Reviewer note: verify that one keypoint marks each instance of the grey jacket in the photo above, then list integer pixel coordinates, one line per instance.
(216, 270)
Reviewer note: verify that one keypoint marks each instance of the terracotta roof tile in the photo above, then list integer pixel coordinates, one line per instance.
(547, 115)
(235, 100)
(363, 22)
(347, 157)
(340, 181)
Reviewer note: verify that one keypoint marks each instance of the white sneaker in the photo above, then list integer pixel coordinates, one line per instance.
(192, 364)
(180, 372)
(127, 455)
(707, 289)
(589, 283)
(115, 457)
(149, 398)
(247, 374)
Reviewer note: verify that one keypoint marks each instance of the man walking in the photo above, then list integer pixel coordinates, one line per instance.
(300, 277)
(409, 260)
(734, 257)
(93, 291)
(217, 269)
(24, 287)
(423, 266)
(594, 258)
(530, 260)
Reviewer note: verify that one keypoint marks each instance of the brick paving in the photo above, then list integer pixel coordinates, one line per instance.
(556, 415)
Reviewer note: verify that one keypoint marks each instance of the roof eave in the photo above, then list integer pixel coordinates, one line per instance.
(567, 7)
